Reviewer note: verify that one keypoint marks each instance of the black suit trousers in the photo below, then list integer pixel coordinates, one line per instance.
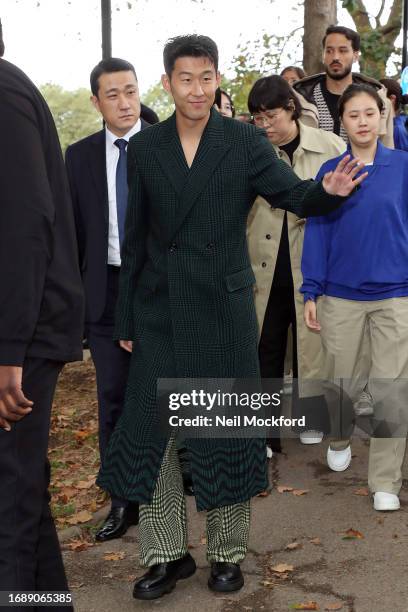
(280, 314)
(30, 557)
(111, 365)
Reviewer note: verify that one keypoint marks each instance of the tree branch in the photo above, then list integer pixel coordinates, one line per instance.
(379, 14)
(359, 15)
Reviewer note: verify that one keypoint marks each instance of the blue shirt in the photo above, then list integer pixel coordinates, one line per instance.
(360, 250)
(401, 132)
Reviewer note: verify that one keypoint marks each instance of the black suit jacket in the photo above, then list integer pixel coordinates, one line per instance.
(41, 301)
(86, 167)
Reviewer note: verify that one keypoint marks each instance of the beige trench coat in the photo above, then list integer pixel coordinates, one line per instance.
(263, 234)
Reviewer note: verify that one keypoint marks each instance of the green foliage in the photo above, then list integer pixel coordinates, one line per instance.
(254, 59)
(73, 113)
(159, 100)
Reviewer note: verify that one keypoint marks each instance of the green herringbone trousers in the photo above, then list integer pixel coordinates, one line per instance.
(163, 523)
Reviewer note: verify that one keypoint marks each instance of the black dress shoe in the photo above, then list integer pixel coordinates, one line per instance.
(225, 577)
(118, 522)
(162, 578)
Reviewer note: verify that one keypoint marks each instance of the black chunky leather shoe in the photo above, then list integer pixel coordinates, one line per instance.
(225, 577)
(162, 578)
(118, 522)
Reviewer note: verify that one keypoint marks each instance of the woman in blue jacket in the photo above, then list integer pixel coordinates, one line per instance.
(355, 267)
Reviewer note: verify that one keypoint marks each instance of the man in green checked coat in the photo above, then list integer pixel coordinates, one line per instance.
(186, 310)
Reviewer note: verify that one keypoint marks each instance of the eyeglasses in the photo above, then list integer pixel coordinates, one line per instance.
(267, 117)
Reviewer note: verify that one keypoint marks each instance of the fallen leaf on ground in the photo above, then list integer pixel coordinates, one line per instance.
(363, 491)
(67, 493)
(315, 541)
(283, 489)
(114, 555)
(299, 492)
(308, 605)
(190, 546)
(263, 494)
(334, 606)
(282, 567)
(267, 583)
(78, 545)
(293, 546)
(81, 435)
(352, 534)
(203, 540)
(130, 578)
(81, 517)
(84, 484)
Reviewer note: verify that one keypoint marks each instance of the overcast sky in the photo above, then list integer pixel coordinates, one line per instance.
(59, 40)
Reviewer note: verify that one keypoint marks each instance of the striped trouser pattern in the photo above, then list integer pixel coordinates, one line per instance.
(163, 522)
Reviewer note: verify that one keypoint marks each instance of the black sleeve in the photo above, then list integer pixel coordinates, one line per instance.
(79, 227)
(26, 221)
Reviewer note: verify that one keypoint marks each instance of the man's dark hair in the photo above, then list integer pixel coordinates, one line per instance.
(1, 41)
(111, 64)
(191, 45)
(356, 89)
(273, 92)
(351, 35)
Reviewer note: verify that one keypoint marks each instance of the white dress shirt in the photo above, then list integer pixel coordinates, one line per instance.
(112, 157)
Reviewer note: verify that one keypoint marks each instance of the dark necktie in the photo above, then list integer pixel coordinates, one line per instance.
(121, 187)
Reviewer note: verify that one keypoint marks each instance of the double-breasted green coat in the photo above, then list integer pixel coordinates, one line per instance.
(186, 295)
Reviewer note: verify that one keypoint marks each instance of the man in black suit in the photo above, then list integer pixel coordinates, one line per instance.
(41, 322)
(97, 175)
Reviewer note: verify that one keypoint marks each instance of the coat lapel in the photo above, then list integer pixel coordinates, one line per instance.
(97, 162)
(171, 156)
(190, 182)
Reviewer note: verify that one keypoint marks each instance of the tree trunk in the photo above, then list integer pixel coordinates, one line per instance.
(319, 14)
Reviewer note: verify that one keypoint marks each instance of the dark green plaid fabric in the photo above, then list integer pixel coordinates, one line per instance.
(186, 295)
(163, 528)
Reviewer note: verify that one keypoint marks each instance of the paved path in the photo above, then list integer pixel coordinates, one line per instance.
(361, 575)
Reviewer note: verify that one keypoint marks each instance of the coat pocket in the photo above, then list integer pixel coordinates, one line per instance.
(239, 280)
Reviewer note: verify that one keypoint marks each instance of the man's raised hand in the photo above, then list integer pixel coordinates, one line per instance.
(341, 181)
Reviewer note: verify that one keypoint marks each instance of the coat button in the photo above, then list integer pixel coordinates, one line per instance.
(264, 264)
(268, 236)
(172, 247)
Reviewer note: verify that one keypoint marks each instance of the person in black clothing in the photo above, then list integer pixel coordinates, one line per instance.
(275, 240)
(41, 327)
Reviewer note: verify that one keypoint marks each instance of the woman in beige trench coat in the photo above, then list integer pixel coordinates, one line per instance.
(275, 243)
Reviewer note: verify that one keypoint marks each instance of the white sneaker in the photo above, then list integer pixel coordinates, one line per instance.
(311, 436)
(269, 452)
(364, 405)
(386, 501)
(338, 461)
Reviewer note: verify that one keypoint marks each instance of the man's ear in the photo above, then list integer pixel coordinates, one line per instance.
(95, 103)
(356, 56)
(165, 79)
(218, 78)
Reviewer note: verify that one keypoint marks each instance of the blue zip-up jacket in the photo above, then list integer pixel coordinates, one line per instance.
(360, 251)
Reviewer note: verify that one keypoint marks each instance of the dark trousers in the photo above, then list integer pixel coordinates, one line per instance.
(30, 557)
(111, 365)
(280, 314)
